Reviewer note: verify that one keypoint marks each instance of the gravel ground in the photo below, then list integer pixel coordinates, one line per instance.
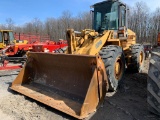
(128, 103)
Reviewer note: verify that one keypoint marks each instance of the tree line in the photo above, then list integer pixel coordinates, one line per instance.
(144, 22)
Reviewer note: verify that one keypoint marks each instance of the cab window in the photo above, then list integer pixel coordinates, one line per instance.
(11, 36)
(1, 39)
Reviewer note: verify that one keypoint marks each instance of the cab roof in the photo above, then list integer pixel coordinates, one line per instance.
(107, 1)
(6, 31)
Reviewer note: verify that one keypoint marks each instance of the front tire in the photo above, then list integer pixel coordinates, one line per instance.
(114, 61)
(137, 58)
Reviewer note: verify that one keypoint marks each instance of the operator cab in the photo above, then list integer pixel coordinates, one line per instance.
(110, 15)
(6, 38)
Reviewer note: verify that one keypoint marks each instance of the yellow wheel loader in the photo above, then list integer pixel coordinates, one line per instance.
(7, 38)
(95, 61)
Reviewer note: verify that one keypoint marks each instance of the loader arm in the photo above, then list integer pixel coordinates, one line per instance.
(88, 42)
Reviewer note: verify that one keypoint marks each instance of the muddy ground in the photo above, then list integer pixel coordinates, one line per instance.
(128, 103)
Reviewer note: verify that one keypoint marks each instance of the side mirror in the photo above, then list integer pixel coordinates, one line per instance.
(91, 12)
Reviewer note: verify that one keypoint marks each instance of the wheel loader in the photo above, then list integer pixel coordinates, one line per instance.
(9, 46)
(7, 38)
(153, 81)
(76, 82)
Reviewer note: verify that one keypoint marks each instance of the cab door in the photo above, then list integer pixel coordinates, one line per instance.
(1, 41)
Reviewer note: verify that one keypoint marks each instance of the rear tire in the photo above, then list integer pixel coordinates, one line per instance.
(153, 86)
(137, 59)
(114, 61)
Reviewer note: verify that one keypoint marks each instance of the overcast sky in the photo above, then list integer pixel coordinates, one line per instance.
(22, 11)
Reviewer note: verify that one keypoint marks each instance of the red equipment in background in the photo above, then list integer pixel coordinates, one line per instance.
(50, 46)
(5, 66)
(32, 38)
(25, 43)
(40, 43)
(5, 60)
(20, 49)
(17, 50)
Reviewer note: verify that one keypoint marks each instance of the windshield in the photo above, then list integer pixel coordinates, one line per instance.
(106, 16)
(11, 36)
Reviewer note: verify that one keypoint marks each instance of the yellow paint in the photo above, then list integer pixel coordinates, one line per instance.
(89, 42)
(15, 42)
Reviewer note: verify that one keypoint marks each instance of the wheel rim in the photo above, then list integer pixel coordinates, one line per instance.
(141, 58)
(118, 71)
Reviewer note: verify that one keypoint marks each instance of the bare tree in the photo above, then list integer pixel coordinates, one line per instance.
(82, 21)
(2, 26)
(145, 24)
(37, 26)
(10, 23)
(138, 21)
(65, 20)
(154, 26)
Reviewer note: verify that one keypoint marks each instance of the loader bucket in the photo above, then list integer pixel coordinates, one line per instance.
(73, 84)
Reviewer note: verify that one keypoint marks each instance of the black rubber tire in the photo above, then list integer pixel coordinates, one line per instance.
(109, 55)
(153, 86)
(135, 65)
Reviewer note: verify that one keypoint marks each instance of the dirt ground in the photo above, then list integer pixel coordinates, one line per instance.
(128, 103)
